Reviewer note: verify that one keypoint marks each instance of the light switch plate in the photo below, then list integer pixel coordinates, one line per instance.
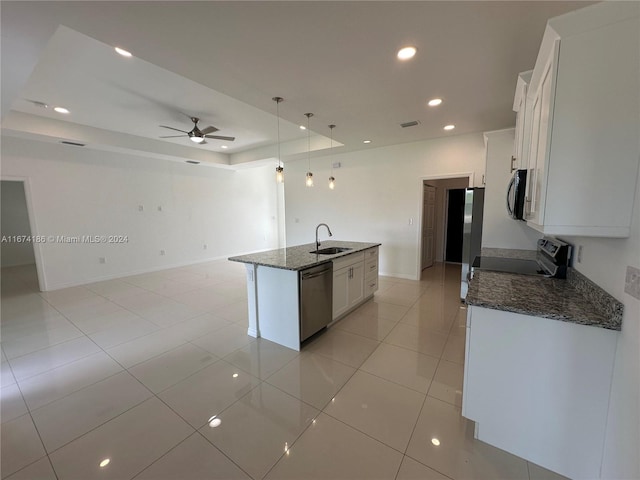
(632, 282)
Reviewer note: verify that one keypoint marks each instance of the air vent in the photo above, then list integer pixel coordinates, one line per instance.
(410, 124)
(75, 144)
(192, 162)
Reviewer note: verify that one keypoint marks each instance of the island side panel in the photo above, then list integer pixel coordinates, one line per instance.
(252, 300)
(279, 306)
(539, 388)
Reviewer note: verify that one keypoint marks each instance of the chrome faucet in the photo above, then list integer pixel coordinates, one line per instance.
(328, 230)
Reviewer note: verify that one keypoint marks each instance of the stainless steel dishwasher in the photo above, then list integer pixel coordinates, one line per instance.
(316, 299)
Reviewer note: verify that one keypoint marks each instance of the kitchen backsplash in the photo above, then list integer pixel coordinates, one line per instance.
(508, 253)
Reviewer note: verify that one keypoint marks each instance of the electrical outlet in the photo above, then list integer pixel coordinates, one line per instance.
(297, 220)
(161, 252)
(411, 221)
(159, 208)
(204, 247)
(632, 282)
(579, 253)
(140, 208)
(102, 260)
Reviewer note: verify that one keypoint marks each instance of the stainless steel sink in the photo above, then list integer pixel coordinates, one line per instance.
(331, 250)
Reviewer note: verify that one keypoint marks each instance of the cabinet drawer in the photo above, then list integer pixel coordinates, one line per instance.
(371, 266)
(370, 285)
(348, 260)
(371, 253)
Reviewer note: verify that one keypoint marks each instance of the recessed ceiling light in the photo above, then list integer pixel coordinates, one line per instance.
(224, 146)
(302, 127)
(105, 462)
(434, 102)
(214, 422)
(61, 110)
(367, 141)
(123, 52)
(435, 441)
(406, 53)
(449, 127)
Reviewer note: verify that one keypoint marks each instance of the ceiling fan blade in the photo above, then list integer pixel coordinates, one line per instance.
(220, 137)
(209, 129)
(171, 136)
(176, 129)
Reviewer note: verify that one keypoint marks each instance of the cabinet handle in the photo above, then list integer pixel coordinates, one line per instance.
(372, 267)
(372, 285)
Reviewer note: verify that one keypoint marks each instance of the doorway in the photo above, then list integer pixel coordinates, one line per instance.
(17, 254)
(455, 225)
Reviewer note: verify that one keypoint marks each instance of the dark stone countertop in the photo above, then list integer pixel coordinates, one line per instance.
(298, 257)
(559, 299)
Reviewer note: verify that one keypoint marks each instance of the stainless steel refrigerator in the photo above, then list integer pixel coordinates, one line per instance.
(472, 233)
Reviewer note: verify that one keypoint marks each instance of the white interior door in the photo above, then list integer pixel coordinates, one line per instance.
(428, 225)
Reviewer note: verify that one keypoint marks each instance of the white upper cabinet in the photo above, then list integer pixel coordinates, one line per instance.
(520, 157)
(581, 123)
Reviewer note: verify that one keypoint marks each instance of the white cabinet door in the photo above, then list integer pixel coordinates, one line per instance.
(520, 158)
(340, 291)
(542, 103)
(356, 285)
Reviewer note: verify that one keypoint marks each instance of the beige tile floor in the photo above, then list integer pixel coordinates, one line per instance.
(154, 377)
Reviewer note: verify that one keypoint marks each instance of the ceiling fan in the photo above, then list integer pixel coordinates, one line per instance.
(196, 135)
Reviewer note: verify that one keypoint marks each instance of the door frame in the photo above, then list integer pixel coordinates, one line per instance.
(420, 201)
(33, 225)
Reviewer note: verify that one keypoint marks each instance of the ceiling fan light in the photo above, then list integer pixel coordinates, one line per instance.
(196, 139)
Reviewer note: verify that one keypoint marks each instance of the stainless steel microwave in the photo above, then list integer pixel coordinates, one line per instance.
(516, 194)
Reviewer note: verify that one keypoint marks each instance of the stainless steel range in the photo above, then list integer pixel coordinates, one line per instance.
(552, 260)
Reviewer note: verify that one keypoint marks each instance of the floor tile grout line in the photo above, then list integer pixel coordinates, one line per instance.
(35, 426)
(421, 409)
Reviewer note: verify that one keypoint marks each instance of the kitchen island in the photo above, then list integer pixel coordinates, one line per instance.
(274, 286)
(539, 360)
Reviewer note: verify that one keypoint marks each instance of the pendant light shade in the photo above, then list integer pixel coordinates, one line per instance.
(280, 166)
(309, 178)
(332, 180)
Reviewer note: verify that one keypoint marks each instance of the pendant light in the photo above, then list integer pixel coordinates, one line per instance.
(332, 180)
(280, 167)
(309, 178)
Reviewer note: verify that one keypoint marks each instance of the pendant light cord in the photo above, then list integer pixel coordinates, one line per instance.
(278, 115)
(308, 140)
(331, 127)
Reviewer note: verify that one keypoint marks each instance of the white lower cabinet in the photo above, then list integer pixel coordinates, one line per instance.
(539, 388)
(355, 278)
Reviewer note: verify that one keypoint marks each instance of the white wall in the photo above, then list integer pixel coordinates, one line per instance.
(15, 222)
(377, 192)
(604, 261)
(78, 191)
(498, 229)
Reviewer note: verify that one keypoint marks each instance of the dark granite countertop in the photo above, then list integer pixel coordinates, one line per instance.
(575, 300)
(298, 257)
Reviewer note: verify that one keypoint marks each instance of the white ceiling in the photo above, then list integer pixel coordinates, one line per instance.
(224, 61)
